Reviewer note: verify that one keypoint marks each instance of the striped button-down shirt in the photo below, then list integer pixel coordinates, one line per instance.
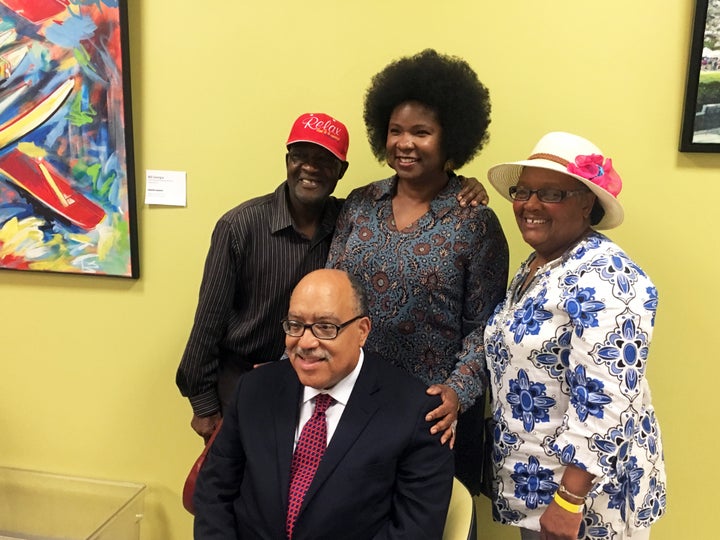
(256, 257)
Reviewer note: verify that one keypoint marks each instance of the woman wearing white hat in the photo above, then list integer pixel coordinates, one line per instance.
(577, 448)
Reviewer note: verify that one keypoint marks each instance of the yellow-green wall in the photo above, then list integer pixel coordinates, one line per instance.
(88, 364)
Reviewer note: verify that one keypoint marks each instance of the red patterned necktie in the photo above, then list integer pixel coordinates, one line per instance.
(310, 448)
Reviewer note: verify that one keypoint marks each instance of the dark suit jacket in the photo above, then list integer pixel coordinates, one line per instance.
(382, 476)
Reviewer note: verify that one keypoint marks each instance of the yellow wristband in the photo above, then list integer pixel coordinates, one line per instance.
(565, 505)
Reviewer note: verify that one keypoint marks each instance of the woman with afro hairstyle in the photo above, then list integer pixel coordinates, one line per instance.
(433, 270)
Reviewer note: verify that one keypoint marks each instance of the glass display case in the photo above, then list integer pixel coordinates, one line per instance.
(42, 506)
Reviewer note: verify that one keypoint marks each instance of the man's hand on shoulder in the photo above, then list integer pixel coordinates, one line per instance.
(472, 193)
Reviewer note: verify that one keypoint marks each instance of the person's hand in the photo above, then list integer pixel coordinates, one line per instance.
(556, 523)
(205, 425)
(447, 413)
(472, 192)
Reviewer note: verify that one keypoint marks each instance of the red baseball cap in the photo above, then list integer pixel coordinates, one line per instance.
(323, 130)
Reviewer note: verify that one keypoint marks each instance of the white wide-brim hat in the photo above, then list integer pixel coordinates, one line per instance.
(576, 157)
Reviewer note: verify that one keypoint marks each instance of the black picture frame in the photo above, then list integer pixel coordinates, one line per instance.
(67, 171)
(701, 111)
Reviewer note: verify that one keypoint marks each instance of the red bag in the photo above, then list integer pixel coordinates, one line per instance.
(189, 487)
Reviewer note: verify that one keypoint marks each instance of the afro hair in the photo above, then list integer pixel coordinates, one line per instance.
(445, 84)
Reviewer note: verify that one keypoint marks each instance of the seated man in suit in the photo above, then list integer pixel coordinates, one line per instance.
(382, 475)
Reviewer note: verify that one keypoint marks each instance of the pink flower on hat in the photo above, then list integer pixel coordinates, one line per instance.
(598, 170)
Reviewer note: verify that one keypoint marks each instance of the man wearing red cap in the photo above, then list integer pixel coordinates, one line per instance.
(258, 253)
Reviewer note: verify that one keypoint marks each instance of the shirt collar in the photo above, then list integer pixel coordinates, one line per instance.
(281, 218)
(342, 390)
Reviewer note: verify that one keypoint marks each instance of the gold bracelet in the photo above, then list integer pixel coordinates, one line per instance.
(562, 489)
(565, 505)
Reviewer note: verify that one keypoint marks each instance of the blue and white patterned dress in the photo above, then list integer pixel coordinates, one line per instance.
(567, 362)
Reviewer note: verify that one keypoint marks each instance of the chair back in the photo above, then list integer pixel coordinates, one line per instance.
(460, 523)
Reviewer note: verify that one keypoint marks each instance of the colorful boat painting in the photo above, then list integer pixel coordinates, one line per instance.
(67, 194)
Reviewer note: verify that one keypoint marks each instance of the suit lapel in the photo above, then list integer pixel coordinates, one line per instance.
(288, 397)
(362, 405)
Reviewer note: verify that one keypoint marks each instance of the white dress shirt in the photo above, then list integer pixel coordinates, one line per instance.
(340, 394)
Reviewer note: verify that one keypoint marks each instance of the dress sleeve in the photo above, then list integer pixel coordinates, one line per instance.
(485, 286)
(343, 227)
(611, 306)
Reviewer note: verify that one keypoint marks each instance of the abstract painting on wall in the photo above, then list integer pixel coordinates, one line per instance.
(67, 189)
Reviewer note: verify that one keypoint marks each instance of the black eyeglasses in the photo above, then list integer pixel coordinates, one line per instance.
(319, 160)
(546, 195)
(321, 330)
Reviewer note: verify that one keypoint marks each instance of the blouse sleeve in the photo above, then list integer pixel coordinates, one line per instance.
(611, 305)
(485, 287)
(343, 227)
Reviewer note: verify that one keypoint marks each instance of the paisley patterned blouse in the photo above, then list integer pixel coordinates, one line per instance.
(567, 363)
(429, 285)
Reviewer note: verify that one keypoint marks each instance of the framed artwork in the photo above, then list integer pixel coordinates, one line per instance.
(701, 113)
(67, 179)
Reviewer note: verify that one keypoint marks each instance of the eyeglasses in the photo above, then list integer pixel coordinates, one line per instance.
(546, 195)
(321, 330)
(319, 160)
